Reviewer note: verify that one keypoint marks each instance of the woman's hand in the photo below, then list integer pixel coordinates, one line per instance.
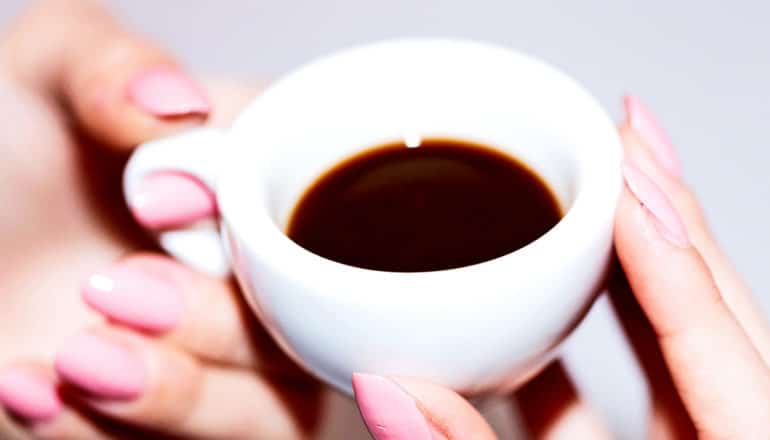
(700, 338)
(180, 355)
(702, 341)
(78, 93)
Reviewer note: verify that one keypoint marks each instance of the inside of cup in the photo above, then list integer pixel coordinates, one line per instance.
(283, 190)
(363, 98)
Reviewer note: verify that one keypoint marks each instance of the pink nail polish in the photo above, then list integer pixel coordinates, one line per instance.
(641, 119)
(29, 395)
(135, 297)
(663, 213)
(167, 92)
(171, 199)
(101, 367)
(388, 411)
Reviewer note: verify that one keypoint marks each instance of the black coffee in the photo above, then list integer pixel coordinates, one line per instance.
(445, 204)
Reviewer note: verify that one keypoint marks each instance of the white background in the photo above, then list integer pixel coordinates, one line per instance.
(702, 66)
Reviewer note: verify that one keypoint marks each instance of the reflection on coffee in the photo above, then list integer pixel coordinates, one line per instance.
(444, 204)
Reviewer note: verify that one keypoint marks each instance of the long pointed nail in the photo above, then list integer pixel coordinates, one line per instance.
(171, 199)
(101, 367)
(389, 412)
(642, 120)
(167, 92)
(135, 297)
(29, 395)
(663, 213)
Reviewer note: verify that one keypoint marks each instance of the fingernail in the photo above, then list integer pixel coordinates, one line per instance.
(167, 92)
(663, 213)
(389, 412)
(135, 297)
(29, 395)
(170, 199)
(101, 367)
(641, 119)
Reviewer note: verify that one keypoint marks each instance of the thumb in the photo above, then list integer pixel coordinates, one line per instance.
(408, 409)
(122, 89)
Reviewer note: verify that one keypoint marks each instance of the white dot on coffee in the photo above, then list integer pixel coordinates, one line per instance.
(413, 141)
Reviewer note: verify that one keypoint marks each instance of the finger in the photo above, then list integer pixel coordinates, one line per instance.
(123, 89)
(668, 418)
(197, 313)
(551, 408)
(407, 409)
(30, 394)
(647, 144)
(723, 382)
(134, 379)
(649, 148)
(167, 200)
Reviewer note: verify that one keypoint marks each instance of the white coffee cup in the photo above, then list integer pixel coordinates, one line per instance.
(477, 329)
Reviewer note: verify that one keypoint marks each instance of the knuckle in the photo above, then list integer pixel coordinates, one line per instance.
(215, 338)
(174, 393)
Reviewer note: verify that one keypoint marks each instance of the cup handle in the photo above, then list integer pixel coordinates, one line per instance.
(196, 153)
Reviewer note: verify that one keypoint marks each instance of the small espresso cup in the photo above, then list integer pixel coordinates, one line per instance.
(478, 329)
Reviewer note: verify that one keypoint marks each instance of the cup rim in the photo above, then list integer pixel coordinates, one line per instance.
(593, 205)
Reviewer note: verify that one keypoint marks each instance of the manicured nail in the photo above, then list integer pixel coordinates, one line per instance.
(663, 213)
(171, 199)
(389, 412)
(29, 395)
(641, 119)
(101, 367)
(135, 297)
(168, 92)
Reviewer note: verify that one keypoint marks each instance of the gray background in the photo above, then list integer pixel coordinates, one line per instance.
(702, 66)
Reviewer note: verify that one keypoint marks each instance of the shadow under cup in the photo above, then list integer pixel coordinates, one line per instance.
(478, 329)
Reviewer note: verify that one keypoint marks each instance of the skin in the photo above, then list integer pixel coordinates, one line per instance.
(688, 315)
(68, 218)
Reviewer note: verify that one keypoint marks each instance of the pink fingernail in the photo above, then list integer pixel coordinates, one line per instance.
(171, 199)
(29, 395)
(168, 92)
(101, 367)
(135, 297)
(665, 217)
(641, 119)
(389, 412)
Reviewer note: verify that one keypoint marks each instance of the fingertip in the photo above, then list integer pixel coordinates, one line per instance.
(450, 416)
(135, 297)
(389, 412)
(122, 89)
(171, 199)
(640, 119)
(167, 92)
(28, 394)
(101, 367)
(125, 91)
(662, 212)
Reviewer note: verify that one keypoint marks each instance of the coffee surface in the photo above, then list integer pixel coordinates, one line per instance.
(444, 204)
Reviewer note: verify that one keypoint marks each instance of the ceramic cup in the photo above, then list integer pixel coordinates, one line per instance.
(477, 329)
